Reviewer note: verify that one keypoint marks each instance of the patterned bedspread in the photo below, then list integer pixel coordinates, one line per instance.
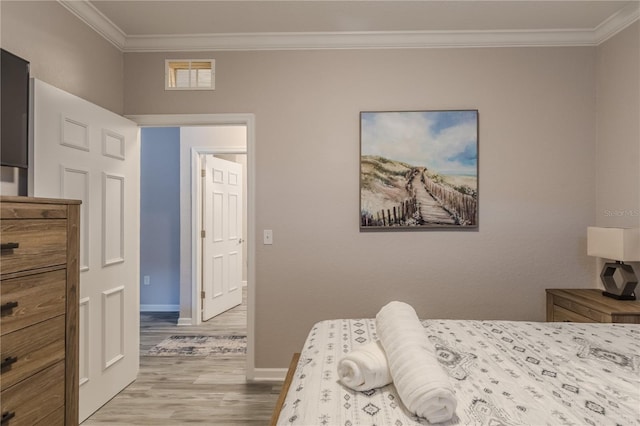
(503, 373)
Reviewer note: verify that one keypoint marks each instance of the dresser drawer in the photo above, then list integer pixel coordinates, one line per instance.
(22, 210)
(561, 314)
(40, 243)
(582, 310)
(54, 419)
(34, 298)
(34, 399)
(31, 349)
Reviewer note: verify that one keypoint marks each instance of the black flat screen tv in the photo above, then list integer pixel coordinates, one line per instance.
(14, 111)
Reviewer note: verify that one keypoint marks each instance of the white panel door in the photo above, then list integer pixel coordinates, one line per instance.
(82, 151)
(222, 242)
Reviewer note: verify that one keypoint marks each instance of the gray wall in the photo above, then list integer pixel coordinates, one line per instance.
(618, 130)
(63, 51)
(537, 156)
(160, 219)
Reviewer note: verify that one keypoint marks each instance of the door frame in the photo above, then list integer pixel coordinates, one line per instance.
(189, 278)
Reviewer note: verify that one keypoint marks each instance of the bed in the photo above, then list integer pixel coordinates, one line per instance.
(502, 372)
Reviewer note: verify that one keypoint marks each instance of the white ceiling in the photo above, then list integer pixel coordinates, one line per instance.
(148, 25)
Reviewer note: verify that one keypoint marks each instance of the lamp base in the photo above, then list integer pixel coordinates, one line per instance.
(619, 281)
(620, 296)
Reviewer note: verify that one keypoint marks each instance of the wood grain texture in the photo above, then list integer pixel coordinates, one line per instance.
(42, 243)
(173, 390)
(39, 297)
(589, 305)
(22, 400)
(72, 332)
(42, 201)
(32, 210)
(41, 275)
(285, 388)
(561, 314)
(55, 418)
(34, 348)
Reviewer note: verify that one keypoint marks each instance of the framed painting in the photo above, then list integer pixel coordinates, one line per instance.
(418, 170)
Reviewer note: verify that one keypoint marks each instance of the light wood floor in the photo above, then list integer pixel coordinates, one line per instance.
(209, 390)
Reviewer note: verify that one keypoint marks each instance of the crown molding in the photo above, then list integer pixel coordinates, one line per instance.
(349, 40)
(91, 16)
(357, 40)
(617, 22)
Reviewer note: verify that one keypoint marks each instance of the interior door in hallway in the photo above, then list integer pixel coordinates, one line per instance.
(222, 235)
(82, 151)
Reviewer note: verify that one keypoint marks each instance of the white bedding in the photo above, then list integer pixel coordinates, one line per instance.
(503, 373)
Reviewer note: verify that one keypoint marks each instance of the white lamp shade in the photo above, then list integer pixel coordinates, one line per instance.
(621, 244)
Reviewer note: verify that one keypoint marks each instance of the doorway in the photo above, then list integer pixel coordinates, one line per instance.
(190, 285)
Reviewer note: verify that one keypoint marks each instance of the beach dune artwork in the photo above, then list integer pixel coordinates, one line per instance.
(418, 170)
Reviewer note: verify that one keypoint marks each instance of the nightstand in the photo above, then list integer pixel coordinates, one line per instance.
(589, 305)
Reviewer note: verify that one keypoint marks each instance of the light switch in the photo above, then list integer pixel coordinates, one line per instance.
(268, 236)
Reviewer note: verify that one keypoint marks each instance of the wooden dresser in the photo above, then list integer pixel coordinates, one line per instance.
(39, 291)
(589, 305)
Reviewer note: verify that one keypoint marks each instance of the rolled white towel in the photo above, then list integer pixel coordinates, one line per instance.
(422, 384)
(365, 368)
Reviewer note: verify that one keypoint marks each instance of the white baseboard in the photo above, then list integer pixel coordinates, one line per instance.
(269, 374)
(185, 321)
(159, 308)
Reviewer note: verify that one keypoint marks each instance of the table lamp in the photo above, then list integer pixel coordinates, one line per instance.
(621, 245)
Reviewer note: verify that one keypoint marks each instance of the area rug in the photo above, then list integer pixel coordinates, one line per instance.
(199, 346)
